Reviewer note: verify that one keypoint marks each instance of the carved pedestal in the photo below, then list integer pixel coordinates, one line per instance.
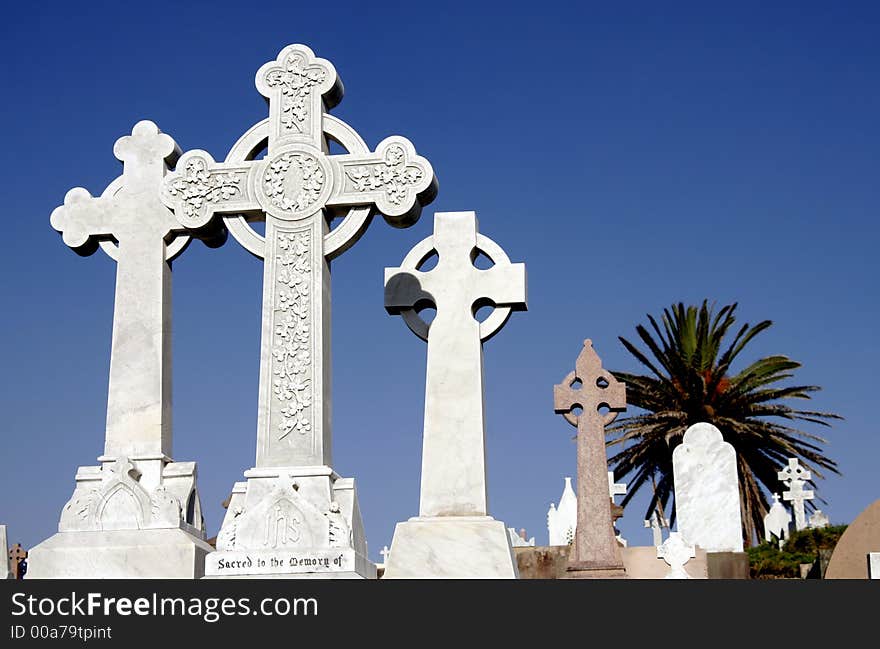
(301, 522)
(137, 517)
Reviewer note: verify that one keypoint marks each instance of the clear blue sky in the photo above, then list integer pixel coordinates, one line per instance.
(631, 157)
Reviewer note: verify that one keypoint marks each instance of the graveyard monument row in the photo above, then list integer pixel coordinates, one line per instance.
(294, 516)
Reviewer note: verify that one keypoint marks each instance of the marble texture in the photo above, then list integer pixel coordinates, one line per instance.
(776, 522)
(453, 495)
(562, 518)
(119, 554)
(707, 490)
(874, 565)
(518, 539)
(137, 485)
(581, 398)
(451, 547)
(297, 189)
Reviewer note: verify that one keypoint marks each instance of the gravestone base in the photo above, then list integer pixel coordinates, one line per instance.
(594, 570)
(451, 547)
(292, 523)
(119, 554)
(728, 565)
(323, 563)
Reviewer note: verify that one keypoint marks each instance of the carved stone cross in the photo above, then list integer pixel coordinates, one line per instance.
(297, 189)
(794, 476)
(615, 489)
(656, 529)
(580, 398)
(453, 454)
(676, 553)
(134, 228)
(385, 554)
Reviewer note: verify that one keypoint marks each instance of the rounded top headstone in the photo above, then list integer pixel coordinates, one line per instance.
(702, 434)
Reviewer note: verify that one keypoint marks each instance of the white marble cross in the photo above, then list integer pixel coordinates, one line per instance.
(385, 554)
(135, 229)
(615, 489)
(794, 476)
(453, 454)
(656, 529)
(297, 189)
(676, 552)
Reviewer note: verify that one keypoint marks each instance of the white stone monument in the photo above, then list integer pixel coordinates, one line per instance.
(656, 528)
(874, 565)
(562, 519)
(794, 477)
(707, 490)
(137, 514)
(676, 552)
(615, 489)
(295, 517)
(454, 536)
(776, 522)
(7, 573)
(819, 520)
(518, 539)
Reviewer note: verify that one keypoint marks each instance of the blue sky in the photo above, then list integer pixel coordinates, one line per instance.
(631, 157)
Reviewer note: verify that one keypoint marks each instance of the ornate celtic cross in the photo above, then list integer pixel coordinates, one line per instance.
(134, 228)
(580, 398)
(298, 188)
(453, 453)
(794, 476)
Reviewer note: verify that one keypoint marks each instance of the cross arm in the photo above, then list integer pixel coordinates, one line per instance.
(83, 220)
(394, 179)
(199, 188)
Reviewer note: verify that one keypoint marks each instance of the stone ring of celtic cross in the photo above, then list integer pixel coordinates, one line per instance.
(572, 418)
(111, 248)
(290, 168)
(423, 251)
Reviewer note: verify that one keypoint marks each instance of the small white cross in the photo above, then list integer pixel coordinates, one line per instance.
(615, 489)
(794, 476)
(675, 552)
(385, 554)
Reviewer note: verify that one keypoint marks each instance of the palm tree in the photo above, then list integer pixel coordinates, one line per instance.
(691, 381)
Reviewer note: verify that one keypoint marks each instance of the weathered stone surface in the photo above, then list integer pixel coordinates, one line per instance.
(297, 189)
(707, 490)
(728, 565)
(861, 537)
(453, 498)
(590, 388)
(640, 562)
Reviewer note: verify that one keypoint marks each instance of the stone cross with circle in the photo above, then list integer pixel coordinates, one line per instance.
(297, 189)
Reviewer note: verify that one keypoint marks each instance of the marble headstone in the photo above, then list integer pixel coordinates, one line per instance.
(138, 513)
(295, 516)
(776, 522)
(454, 536)
(562, 518)
(874, 565)
(707, 490)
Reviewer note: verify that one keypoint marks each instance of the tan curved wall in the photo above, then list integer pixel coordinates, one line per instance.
(850, 558)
